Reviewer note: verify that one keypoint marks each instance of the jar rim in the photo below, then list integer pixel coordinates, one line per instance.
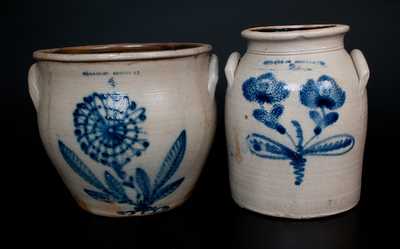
(122, 51)
(291, 32)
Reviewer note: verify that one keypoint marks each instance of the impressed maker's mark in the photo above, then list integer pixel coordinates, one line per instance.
(110, 75)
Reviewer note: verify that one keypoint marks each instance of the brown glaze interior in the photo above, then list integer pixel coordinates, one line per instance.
(125, 48)
(287, 29)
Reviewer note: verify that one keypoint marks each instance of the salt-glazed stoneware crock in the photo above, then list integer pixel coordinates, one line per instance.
(296, 120)
(128, 126)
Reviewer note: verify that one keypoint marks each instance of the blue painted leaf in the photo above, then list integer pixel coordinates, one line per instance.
(331, 146)
(299, 132)
(100, 196)
(167, 189)
(315, 116)
(171, 161)
(79, 167)
(116, 188)
(263, 146)
(143, 184)
(277, 110)
(269, 119)
(330, 118)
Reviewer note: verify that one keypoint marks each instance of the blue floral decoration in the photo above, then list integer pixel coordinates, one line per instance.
(107, 127)
(147, 190)
(322, 97)
(325, 93)
(265, 89)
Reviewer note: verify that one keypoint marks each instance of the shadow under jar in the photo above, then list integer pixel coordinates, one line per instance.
(127, 126)
(296, 120)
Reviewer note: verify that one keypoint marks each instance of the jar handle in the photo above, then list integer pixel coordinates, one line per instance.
(33, 85)
(230, 68)
(362, 69)
(212, 75)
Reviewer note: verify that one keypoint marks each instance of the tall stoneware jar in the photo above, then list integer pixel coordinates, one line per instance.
(296, 120)
(127, 126)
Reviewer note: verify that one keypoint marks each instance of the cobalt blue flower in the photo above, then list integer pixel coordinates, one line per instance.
(107, 128)
(265, 89)
(325, 93)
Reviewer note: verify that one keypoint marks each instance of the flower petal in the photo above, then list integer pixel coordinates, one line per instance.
(309, 93)
(265, 89)
(330, 89)
(325, 93)
(249, 89)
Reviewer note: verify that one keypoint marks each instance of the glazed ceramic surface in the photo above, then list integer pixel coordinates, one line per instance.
(127, 126)
(296, 120)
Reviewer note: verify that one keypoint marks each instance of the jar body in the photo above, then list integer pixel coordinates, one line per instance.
(296, 127)
(127, 137)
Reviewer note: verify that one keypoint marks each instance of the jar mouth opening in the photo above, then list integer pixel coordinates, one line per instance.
(291, 28)
(124, 48)
(123, 51)
(289, 32)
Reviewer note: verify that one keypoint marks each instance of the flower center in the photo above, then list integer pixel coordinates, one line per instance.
(115, 133)
(325, 102)
(265, 98)
(111, 130)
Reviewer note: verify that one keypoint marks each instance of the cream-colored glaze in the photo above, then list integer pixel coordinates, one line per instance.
(331, 183)
(176, 86)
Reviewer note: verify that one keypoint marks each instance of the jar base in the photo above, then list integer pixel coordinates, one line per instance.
(100, 212)
(288, 215)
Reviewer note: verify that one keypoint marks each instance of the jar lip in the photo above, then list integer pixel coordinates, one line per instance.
(122, 51)
(291, 32)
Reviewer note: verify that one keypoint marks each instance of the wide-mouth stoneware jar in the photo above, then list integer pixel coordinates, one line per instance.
(127, 126)
(296, 120)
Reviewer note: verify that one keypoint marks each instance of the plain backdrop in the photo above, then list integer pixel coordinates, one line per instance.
(43, 211)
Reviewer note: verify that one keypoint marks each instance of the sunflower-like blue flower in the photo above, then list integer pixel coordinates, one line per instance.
(325, 93)
(265, 89)
(107, 128)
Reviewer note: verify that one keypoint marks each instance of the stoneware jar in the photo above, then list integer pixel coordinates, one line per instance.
(128, 126)
(296, 120)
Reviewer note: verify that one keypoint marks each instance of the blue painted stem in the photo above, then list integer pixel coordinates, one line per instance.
(323, 112)
(291, 139)
(125, 179)
(119, 171)
(299, 166)
(309, 141)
